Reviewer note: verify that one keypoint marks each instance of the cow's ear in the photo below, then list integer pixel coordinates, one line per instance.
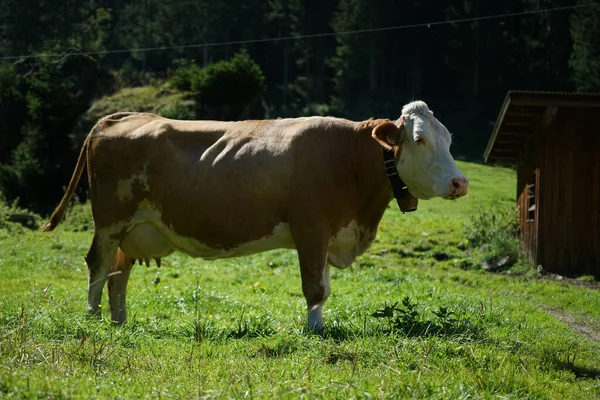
(388, 134)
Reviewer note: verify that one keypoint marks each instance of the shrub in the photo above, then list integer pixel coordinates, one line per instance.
(79, 218)
(225, 83)
(494, 233)
(237, 81)
(489, 224)
(178, 110)
(14, 219)
(182, 77)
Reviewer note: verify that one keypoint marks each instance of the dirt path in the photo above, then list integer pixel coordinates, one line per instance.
(580, 327)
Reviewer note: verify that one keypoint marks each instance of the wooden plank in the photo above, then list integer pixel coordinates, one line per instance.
(549, 116)
(580, 202)
(539, 101)
(497, 150)
(567, 189)
(594, 150)
(504, 161)
(585, 179)
(512, 132)
(542, 200)
(510, 141)
(503, 109)
(569, 201)
(541, 172)
(535, 234)
(503, 148)
(516, 118)
(510, 123)
(523, 129)
(543, 224)
(524, 111)
(552, 240)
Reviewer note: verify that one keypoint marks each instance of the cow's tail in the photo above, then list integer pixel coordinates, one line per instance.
(60, 211)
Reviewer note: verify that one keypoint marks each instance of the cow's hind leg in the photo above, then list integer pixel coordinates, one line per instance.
(117, 286)
(314, 270)
(99, 259)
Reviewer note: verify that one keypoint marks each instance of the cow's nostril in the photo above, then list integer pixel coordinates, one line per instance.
(455, 184)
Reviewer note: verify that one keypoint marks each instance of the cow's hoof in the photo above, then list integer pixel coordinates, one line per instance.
(316, 328)
(94, 312)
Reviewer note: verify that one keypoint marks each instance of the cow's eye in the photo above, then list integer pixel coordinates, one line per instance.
(419, 140)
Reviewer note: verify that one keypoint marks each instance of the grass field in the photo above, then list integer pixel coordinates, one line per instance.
(413, 318)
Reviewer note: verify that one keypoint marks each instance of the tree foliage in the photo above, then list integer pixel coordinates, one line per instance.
(381, 54)
(216, 83)
(585, 59)
(48, 96)
(223, 89)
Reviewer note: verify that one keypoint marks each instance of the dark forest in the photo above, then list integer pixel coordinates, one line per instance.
(266, 59)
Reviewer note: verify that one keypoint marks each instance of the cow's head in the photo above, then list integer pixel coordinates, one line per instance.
(422, 146)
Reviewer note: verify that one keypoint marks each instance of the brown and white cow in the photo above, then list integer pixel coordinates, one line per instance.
(224, 189)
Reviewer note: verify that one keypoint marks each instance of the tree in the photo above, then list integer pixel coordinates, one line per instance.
(223, 90)
(376, 72)
(294, 84)
(354, 57)
(14, 16)
(585, 59)
(55, 91)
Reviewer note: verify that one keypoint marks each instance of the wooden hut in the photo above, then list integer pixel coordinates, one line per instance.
(553, 140)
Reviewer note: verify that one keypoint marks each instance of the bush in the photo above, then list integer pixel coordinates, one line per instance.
(494, 232)
(14, 220)
(490, 224)
(236, 82)
(182, 77)
(178, 110)
(79, 218)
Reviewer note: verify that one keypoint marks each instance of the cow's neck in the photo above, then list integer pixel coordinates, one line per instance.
(406, 202)
(374, 185)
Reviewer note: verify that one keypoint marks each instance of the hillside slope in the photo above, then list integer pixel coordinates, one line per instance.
(159, 99)
(413, 317)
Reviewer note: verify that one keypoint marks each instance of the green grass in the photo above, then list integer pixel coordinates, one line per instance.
(143, 98)
(158, 98)
(236, 328)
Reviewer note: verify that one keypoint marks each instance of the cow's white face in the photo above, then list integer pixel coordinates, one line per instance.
(425, 163)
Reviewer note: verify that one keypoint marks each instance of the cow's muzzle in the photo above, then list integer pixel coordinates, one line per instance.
(458, 187)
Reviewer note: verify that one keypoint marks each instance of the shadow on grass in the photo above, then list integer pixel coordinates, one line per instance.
(408, 320)
(580, 372)
(568, 365)
(241, 328)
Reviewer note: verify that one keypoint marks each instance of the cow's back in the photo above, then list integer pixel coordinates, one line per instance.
(221, 184)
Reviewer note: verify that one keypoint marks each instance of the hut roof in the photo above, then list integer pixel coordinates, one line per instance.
(522, 114)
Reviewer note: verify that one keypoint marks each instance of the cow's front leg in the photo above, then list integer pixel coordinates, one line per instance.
(117, 287)
(316, 290)
(312, 254)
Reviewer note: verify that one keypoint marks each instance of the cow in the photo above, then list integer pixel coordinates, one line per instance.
(215, 189)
